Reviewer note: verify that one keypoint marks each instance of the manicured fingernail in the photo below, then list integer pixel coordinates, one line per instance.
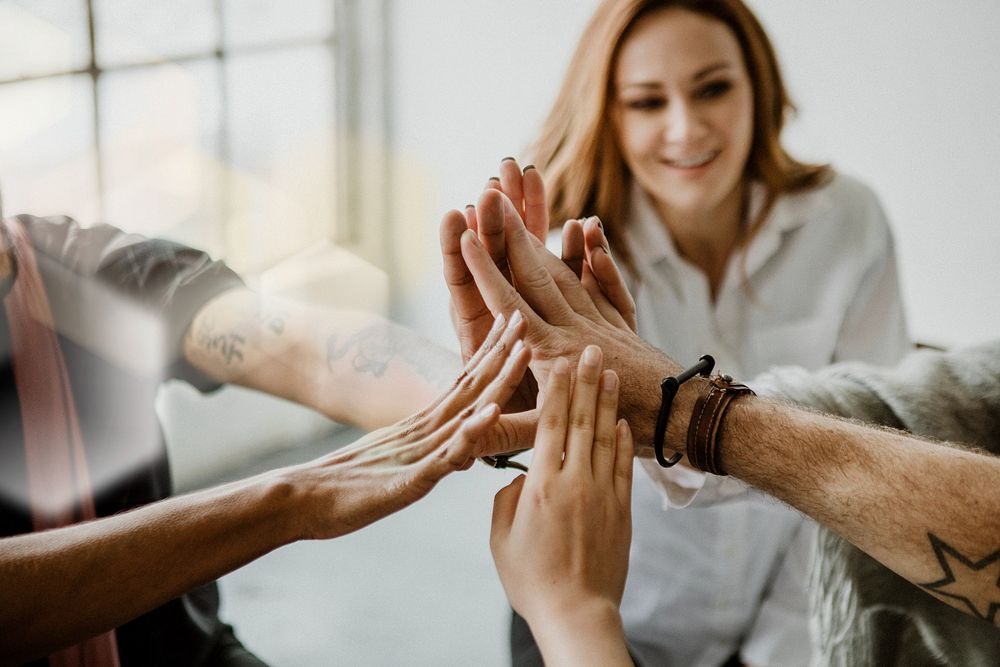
(561, 367)
(498, 321)
(609, 381)
(516, 349)
(470, 206)
(622, 429)
(516, 318)
(525, 170)
(592, 355)
(505, 159)
(495, 178)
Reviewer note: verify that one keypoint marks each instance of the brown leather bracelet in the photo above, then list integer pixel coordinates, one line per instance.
(710, 409)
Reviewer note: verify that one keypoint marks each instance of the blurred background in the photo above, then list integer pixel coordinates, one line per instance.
(315, 144)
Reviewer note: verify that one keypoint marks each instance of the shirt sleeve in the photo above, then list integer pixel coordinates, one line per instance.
(950, 396)
(128, 298)
(874, 325)
(780, 636)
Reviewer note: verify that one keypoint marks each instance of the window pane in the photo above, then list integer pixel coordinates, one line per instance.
(43, 37)
(47, 161)
(281, 134)
(138, 31)
(252, 22)
(160, 138)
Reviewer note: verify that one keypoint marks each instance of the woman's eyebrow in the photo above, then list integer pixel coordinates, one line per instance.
(711, 69)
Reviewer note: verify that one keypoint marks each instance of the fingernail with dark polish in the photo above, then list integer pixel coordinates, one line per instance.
(505, 159)
(470, 206)
(495, 178)
(525, 170)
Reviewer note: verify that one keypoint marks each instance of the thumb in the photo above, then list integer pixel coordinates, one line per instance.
(504, 508)
(513, 432)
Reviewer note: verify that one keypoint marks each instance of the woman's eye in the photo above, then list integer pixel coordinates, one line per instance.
(646, 103)
(715, 89)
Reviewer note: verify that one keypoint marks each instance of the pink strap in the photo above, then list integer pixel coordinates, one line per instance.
(58, 478)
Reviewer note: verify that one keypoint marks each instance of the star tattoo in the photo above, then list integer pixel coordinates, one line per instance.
(966, 580)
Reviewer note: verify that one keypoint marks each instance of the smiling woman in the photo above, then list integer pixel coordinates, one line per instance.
(668, 127)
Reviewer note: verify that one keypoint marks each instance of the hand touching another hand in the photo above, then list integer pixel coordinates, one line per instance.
(561, 535)
(562, 316)
(396, 466)
(585, 251)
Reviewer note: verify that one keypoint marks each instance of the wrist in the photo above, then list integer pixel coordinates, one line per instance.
(281, 506)
(640, 395)
(579, 634)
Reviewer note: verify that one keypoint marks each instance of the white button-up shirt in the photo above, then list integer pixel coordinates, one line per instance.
(727, 573)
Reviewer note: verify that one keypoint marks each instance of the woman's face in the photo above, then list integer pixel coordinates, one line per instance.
(683, 110)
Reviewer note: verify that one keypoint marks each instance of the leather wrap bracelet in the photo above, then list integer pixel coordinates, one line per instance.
(710, 410)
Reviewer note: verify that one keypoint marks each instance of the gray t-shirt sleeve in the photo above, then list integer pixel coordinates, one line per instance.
(126, 297)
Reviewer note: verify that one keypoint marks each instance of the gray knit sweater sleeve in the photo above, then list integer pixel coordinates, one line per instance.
(864, 614)
(942, 395)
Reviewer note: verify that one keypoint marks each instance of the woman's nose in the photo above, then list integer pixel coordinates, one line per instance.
(683, 123)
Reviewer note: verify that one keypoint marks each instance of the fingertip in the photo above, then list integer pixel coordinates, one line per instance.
(561, 366)
(624, 432)
(470, 237)
(609, 380)
(452, 216)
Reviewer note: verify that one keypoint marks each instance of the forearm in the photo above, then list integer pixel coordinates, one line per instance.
(918, 507)
(352, 366)
(64, 585)
(591, 635)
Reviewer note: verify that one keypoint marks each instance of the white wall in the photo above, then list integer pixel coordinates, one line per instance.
(902, 94)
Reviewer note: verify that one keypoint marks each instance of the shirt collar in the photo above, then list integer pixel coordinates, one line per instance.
(651, 244)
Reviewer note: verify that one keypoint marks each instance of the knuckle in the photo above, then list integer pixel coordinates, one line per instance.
(537, 278)
(604, 442)
(551, 422)
(582, 421)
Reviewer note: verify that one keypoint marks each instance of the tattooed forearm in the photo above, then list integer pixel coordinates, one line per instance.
(215, 342)
(972, 585)
(373, 348)
(271, 320)
(229, 346)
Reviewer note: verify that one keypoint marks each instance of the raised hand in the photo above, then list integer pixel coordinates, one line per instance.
(560, 536)
(396, 466)
(562, 316)
(470, 316)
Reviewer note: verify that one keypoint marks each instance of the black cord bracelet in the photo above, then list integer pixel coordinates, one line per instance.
(668, 389)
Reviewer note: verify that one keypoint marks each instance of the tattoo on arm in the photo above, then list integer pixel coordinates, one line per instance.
(228, 345)
(374, 348)
(972, 584)
(273, 321)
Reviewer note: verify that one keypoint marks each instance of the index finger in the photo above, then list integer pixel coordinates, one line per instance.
(536, 208)
(465, 297)
(490, 221)
(498, 295)
(532, 279)
(510, 182)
